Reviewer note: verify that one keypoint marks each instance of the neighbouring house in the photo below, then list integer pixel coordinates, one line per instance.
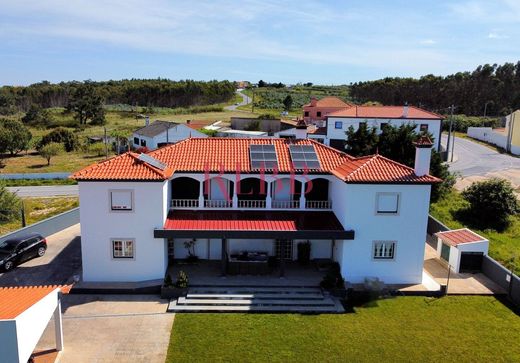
(160, 133)
(269, 126)
(311, 132)
(226, 132)
(462, 249)
(378, 116)
(25, 312)
(317, 110)
(227, 196)
(508, 138)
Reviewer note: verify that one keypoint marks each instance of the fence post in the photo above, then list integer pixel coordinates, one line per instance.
(24, 223)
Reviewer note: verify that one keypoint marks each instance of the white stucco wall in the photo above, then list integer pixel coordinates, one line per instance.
(355, 207)
(99, 225)
(175, 134)
(434, 126)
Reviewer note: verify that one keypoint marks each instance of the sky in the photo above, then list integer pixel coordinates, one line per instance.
(324, 42)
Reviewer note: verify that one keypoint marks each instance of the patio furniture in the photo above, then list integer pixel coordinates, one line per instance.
(249, 263)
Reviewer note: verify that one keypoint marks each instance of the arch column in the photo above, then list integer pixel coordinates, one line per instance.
(268, 199)
(302, 196)
(201, 194)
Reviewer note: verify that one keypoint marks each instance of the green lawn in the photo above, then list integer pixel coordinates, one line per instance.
(403, 329)
(503, 246)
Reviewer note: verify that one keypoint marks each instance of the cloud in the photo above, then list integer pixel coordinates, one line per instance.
(497, 35)
(428, 42)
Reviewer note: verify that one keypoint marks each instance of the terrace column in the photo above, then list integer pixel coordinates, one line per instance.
(201, 194)
(235, 197)
(302, 196)
(268, 199)
(58, 325)
(223, 257)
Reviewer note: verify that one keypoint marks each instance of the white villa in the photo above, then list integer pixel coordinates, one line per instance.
(231, 195)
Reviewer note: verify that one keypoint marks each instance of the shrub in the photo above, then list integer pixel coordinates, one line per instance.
(50, 150)
(168, 280)
(182, 280)
(97, 149)
(333, 278)
(63, 136)
(15, 137)
(37, 116)
(10, 205)
(491, 203)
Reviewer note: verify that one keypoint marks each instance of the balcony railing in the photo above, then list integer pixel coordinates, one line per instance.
(218, 204)
(285, 204)
(184, 203)
(251, 204)
(318, 204)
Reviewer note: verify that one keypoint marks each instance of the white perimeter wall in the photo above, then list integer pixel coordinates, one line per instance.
(434, 126)
(355, 207)
(493, 137)
(99, 225)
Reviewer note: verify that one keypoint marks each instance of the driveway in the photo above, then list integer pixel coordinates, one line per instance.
(112, 328)
(245, 100)
(61, 261)
(475, 162)
(45, 190)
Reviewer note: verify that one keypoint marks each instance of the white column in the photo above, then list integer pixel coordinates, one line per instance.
(58, 325)
(268, 199)
(235, 196)
(302, 196)
(201, 194)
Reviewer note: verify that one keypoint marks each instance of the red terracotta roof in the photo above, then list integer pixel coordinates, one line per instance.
(378, 169)
(15, 300)
(459, 236)
(126, 166)
(231, 154)
(385, 112)
(198, 124)
(330, 101)
(252, 221)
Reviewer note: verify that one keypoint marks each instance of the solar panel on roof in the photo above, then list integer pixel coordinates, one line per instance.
(152, 161)
(304, 157)
(263, 156)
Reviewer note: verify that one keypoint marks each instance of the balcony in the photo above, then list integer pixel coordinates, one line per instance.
(212, 203)
(318, 204)
(253, 204)
(184, 203)
(285, 204)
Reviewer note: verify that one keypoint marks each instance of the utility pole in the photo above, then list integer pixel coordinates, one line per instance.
(106, 143)
(449, 133)
(253, 103)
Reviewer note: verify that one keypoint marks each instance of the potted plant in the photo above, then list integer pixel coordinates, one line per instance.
(171, 290)
(334, 282)
(190, 246)
(304, 253)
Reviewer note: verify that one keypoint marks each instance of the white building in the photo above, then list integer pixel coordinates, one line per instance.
(377, 116)
(231, 195)
(161, 133)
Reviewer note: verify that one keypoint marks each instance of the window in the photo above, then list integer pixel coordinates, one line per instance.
(383, 124)
(143, 142)
(121, 200)
(338, 125)
(136, 141)
(306, 114)
(318, 114)
(384, 250)
(123, 248)
(387, 203)
(424, 128)
(362, 124)
(287, 250)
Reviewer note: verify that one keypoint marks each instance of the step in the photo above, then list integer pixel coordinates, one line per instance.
(287, 302)
(254, 308)
(247, 290)
(258, 295)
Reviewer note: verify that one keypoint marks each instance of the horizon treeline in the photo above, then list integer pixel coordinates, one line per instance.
(494, 89)
(142, 92)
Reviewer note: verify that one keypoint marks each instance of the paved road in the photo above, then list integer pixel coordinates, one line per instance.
(245, 100)
(61, 261)
(45, 190)
(473, 159)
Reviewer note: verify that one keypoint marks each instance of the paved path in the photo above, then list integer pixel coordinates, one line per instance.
(475, 162)
(245, 100)
(45, 190)
(61, 261)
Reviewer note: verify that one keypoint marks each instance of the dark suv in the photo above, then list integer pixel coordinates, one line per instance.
(20, 249)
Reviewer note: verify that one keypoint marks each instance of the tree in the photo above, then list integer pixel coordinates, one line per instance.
(396, 143)
(491, 203)
(440, 169)
(10, 205)
(37, 116)
(61, 135)
(287, 102)
(50, 150)
(87, 104)
(362, 141)
(16, 136)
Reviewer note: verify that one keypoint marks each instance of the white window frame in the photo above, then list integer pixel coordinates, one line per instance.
(385, 243)
(132, 201)
(124, 243)
(383, 213)
(340, 123)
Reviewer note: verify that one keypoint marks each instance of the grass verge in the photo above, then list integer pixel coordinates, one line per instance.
(36, 182)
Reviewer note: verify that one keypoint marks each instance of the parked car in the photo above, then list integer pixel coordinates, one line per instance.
(14, 251)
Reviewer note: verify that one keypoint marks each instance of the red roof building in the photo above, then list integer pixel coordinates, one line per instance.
(317, 110)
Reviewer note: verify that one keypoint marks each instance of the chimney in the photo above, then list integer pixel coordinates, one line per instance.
(188, 122)
(314, 101)
(405, 110)
(423, 154)
(301, 129)
(147, 120)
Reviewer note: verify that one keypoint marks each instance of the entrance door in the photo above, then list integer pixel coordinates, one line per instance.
(471, 261)
(286, 252)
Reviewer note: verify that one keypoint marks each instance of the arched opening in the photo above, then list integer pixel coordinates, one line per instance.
(185, 192)
(252, 193)
(286, 193)
(218, 193)
(317, 194)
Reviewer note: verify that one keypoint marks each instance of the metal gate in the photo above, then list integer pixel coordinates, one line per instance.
(471, 261)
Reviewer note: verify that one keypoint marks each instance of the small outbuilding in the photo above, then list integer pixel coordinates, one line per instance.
(25, 312)
(462, 249)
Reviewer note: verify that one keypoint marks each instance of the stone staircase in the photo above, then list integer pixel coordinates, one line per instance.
(266, 299)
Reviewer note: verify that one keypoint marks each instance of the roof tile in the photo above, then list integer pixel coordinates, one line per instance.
(459, 236)
(15, 300)
(385, 112)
